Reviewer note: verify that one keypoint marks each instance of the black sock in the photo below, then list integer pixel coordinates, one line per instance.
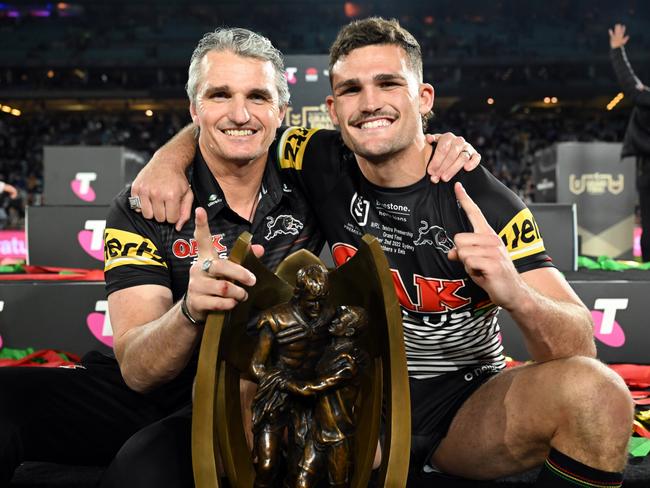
(560, 470)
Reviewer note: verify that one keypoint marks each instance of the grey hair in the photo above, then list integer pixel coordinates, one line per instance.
(242, 42)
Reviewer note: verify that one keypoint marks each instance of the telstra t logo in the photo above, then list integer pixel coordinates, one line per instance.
(92, 239)
(81, 186)
(99, 323)
(290, 75)
(606, 329)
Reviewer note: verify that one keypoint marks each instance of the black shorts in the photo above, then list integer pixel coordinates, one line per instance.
(434, 403)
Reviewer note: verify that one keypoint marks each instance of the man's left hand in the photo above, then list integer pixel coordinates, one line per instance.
(452, 154)
(485, 257)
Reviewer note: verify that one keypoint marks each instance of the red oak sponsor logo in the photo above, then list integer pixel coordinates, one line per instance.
(432, 294)
(183, 248)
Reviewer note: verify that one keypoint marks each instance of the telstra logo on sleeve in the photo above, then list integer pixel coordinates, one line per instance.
(92, 238)
(81, 186)
(99, 323)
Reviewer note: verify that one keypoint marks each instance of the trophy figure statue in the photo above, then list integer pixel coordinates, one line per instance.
(329, 350)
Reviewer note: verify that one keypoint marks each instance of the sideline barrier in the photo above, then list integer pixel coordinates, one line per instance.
(618, 304)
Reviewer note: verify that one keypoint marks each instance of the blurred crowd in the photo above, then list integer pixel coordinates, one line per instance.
(139, 49)
(22, 140)
(506, 141)
(141, 45)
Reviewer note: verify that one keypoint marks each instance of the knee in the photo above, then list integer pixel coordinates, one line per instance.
(593, 392)
(158, 455)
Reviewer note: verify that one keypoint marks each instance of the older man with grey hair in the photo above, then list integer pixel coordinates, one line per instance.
(134, 411)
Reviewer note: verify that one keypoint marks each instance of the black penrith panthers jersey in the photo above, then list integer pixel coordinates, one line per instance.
(140, 251)
(449, 322)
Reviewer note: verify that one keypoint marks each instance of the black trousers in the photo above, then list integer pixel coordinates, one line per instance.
(89, 416)
(643, 185)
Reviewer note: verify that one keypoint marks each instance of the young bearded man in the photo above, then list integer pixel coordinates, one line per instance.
(456, 260)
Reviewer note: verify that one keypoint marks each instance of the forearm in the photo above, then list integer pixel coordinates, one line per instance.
(156, 352)
(180, 149)
(553, 328)
(627, 79)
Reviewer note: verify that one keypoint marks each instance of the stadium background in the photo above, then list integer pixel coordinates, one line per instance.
(112, 73)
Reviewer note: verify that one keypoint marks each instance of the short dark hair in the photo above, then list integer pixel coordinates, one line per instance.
(372, 31)
(376, 31)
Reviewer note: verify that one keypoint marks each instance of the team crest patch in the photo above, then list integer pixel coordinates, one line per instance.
(282, 225)
(433, 235)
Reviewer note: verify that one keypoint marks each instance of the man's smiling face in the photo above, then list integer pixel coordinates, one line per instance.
(378, 101)
(236, 107)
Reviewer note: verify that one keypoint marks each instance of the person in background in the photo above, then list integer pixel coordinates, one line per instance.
(637, 136)
(9, 190)
(13, 194)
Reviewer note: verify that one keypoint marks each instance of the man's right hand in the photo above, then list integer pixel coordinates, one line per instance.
(214, 288)
(164, 192)
(617, 37)
(162, 186)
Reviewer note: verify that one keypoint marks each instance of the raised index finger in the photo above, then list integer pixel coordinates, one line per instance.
(474, 214)
(202, 234)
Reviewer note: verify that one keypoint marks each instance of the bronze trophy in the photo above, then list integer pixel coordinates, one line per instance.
(330, 349)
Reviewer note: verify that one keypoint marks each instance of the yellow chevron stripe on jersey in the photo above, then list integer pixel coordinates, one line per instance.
(291, 149)
(521, 236)
(123, 248)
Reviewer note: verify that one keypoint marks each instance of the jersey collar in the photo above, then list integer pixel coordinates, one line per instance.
(209, 195)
